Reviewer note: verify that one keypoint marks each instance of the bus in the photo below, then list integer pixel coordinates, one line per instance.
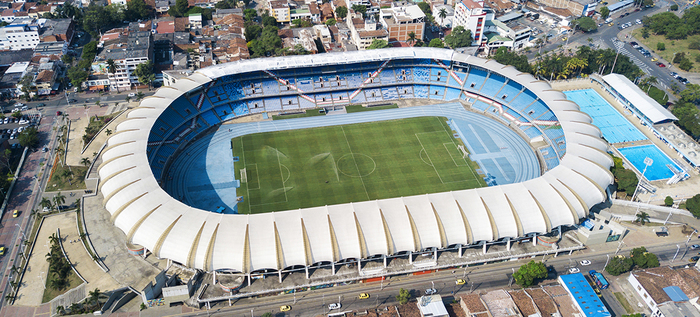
(599, 279)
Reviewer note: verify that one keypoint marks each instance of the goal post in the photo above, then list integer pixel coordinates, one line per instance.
(244, 176)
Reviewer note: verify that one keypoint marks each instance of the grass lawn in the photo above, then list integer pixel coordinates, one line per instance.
(623, 301)
(51, 293)
(360, 108)
(307, 113)
(58, 183)
(656, 94)
(358, 162)
(672, 47)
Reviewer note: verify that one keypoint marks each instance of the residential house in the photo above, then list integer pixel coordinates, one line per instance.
(44, 82)
(280, 10)
(195, 20)
(364, 32)
(668, 292)
(449, 11)
(58, 30)
(513, 35)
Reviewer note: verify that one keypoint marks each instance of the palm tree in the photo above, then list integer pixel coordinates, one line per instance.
(85, 161)
(53, 238)
(46, 203)
(67, 174)
(411, 38)
(97, 103)
(139, 96)
(112, 69)
(9, 297)
(108, 132)
(14, 269)
(642, 218)
(442, 14)
(94, 296)
(13, 284)
(127, 98)
(59, 200)
(60, 310)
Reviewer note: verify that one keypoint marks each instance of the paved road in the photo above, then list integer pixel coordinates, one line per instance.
(383, 294)
(607, 36)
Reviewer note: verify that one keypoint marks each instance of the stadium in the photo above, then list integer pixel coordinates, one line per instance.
(560, 163)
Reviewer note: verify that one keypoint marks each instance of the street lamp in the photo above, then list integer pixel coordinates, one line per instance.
(606, 261)
(678, 248)
(647, 162)
(20, 231)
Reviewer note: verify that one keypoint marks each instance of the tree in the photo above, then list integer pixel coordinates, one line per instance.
(693, 205)
(95, 295)
(144, 72)
(27, 86)
(685, 64)
(411, 38)
(112, 69)
(268, 20)
(642, 218)
(404, 296)
(59, 200)
(108, 132)
(436, 43)
(668, 201)
(586, 24)
(67, 59)
(139, 96)
(527, 274)
(604, 12)
(442, 14)
(137, 10)
(330, 22)
(619, 265)
(425, 7)
(29, 137)
(378, 44)
(643, 259)
(77, 76)
(626, 181)
(459, 38)
(660, 46)
(85, 161)
(359, 8)
(46, 203)
(6, 160)
(226, 4)
(181, 7)
(673, 7)
(267, 314)
(341, 12)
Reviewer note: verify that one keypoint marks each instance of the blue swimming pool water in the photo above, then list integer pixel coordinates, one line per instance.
(660, 169)
(612, 124)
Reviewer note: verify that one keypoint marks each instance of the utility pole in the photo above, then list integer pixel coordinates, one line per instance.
(678, 248)
(606, 261)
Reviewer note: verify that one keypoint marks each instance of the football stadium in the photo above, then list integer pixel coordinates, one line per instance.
(200, 174)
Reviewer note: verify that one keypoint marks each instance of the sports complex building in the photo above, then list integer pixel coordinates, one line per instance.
(145, 162)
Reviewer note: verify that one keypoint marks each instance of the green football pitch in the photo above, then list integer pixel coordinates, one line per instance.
(294, 169)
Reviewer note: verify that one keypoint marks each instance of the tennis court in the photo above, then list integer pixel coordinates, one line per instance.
(662, 168)
(614, 126)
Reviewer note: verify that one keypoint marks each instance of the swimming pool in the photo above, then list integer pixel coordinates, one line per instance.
(660, 169)
(612, 124)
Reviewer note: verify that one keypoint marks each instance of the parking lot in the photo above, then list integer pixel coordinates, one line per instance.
(12, 125)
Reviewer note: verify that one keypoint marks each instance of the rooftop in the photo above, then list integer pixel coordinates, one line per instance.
(583, 294)
(655, 280)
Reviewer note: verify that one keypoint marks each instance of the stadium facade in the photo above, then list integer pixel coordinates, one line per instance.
(137, 153)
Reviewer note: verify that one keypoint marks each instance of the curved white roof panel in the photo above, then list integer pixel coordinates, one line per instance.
(247, 243)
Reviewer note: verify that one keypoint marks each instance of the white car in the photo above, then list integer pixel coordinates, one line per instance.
(430, 291)
(574, 270)
(694, 246)
(638, 21)
(333, 306)
(131, 95)
(585, 262)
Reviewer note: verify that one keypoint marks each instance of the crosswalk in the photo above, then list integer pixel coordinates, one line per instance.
(619, 45)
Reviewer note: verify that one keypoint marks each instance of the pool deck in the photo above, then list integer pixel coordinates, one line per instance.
(682, 190)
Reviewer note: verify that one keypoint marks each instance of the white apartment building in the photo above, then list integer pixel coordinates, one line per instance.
(139, 50)
(19, 36)
(472, 15)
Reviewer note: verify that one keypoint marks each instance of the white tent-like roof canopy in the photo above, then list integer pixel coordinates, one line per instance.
(248, 243)
(645, 104)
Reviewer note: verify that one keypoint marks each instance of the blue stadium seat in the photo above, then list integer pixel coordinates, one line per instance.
(340, 96)
(183, 107)
(535, 110)
(256, 105)
(390, 93)
(387, 77)
(217, 95)
(523, 100)
(475, 79)
(270, 87)
(405, 91)
(324, 98)
(233, 90)
(492, 85)
(305, 84)
(160, 127)
(240, 108)
(305, 104)
(403, 75)
(452, 94)
(547, 116)
(273, 104)
(421, 91)
(354, 79)
(373, 94)
(516, 115)
(530, 131)
(437, 92)
(289, 101)
(210, 118)
(480, 105)
(224, 110)
(510, 91)
(421, 75)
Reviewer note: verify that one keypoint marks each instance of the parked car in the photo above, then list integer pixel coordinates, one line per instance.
(15, 213)
(694, 246)
(363, 296)
(333, 306)
(131, 95)
(285, 308)
(585, 262)
(460, 281)
(660, 64)
(41, 105)
(674, 74)
(574, 270)
(694, 259)
(2, 250)
(654, 59)
(430, 291)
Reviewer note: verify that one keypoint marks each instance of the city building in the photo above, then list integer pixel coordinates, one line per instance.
(432, 306)
(56, 30)
(138, 49)
(364, 32)
(618, 6)
(471, 15)
(585, 299)
(51, 48)
(279, 10)
(577, 7)
(13, 75)
(513, 35)
(668, 292)
(447, 21)
(19, 35)
(44, 82)
(403, 20)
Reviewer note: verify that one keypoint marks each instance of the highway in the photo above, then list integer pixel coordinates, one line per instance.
(480, 278)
